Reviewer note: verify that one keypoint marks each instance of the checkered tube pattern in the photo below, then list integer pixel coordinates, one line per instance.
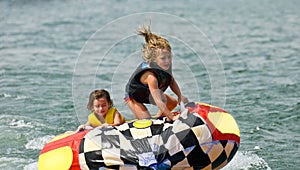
(187, 142)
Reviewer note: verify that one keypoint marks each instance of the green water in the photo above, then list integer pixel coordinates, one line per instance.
(240, 55)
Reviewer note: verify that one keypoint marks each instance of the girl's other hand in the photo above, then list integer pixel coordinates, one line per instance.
(184, 99)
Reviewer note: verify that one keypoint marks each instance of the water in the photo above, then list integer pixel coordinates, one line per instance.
(240, 55)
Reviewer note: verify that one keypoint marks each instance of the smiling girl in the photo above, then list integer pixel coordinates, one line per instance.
(102, 109)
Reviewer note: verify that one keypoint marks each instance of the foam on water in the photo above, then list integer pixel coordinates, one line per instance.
(31, 166)
(13, 163)
(245, 161)
(20, 124)
(17, 97)
(38, 143)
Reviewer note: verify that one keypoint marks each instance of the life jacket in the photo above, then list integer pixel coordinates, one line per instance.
(140, 92)
(109, 117)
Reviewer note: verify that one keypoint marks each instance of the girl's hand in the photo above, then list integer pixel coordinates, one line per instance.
(104, 125)
(175, 117)
(80, 128)
(184, 99)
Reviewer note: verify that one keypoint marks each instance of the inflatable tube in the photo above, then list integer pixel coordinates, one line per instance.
(204, 137)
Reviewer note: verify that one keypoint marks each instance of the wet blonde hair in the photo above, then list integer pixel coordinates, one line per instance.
(153, 43)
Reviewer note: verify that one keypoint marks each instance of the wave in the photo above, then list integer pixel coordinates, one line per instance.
(20, 124)
(38, 143)
(247, 160)
(17, 97)
(12, 163)
(31, 166)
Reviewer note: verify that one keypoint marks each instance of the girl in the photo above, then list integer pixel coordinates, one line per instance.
(152, 77)
(103, 111)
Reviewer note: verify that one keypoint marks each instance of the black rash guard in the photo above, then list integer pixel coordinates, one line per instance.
(140, 92)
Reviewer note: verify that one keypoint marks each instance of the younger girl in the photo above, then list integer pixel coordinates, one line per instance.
(103, 111)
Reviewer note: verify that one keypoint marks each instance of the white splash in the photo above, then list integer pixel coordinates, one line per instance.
(32, 166)
(245, 161)
(20, 124)
(17, 97)
(15, 162)
(38, 143)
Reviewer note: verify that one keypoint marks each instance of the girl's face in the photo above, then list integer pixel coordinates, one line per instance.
(164, 59)
(101, 106)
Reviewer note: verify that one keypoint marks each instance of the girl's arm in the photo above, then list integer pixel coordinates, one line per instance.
(175, 88)
(150, 79)
(117, 119)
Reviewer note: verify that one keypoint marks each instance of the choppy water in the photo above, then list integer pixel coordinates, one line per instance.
(240, 55)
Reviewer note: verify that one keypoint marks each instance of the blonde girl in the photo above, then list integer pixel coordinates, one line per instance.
(152, 77)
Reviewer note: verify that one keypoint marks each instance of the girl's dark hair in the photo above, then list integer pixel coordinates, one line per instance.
(97, 94)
